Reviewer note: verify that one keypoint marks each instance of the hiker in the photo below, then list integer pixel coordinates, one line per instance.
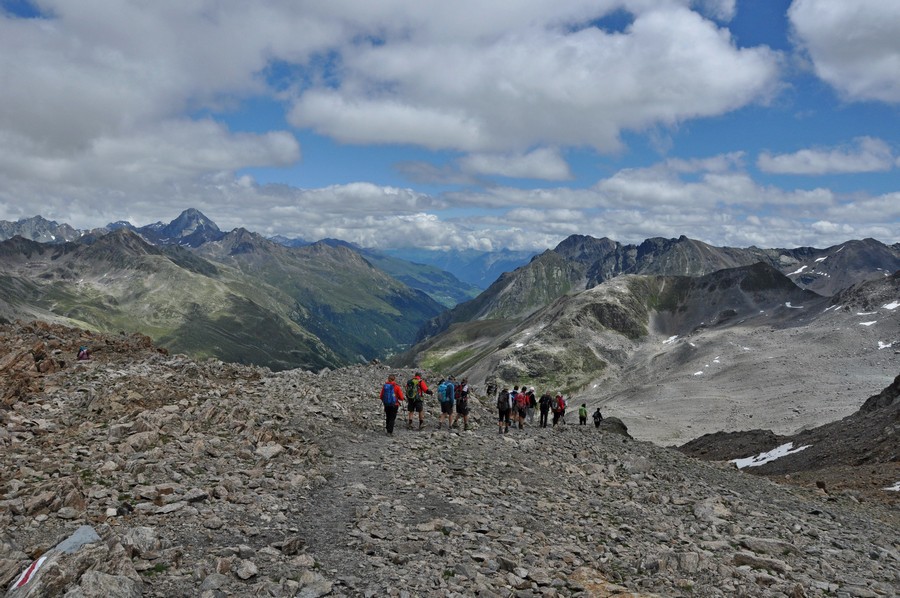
(391, 395)
(462, 404)
(446, 397)
(83, 353)
(532, 403)
(544, 405)
(582, 415)
(503, 407)
(559, 409)
(598, 417)
(416, 389)
(521, 406)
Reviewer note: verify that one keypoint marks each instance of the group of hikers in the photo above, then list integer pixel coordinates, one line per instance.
(453, 398)
(514, 406)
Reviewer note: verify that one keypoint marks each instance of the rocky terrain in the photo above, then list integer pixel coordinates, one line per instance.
(140, 473)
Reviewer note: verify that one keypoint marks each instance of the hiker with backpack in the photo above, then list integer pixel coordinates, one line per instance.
(462, 404)
(559, 409)
(416, 389)
(521, 406)
(582, 415)
(391, 396)
(598, 417)
(544, 405)
(446, 397)
(532, 403)
(503, 409)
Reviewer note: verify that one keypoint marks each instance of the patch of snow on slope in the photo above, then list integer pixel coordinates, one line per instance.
(891, 306)
(789, 306)
(868, 323)
(763, 458)
(802, 268)
(882, 345)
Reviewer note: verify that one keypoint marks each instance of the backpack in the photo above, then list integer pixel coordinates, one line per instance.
(387, 395)
(412, 390)
(546, 400)
(442, 392)
(521, 401)
(560, 404)
(503, 401)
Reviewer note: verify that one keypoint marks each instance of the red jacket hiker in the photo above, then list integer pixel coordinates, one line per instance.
(390, 411)
(398, 392)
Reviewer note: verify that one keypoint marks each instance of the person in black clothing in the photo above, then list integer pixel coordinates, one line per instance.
(503, 409)
(544, 404)
(598, 417)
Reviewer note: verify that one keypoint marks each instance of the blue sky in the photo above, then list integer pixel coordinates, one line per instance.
(464, 125)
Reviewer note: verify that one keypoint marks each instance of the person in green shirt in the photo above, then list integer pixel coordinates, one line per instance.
(582, 415)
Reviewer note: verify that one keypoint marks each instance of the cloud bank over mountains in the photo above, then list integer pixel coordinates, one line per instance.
(466, 124)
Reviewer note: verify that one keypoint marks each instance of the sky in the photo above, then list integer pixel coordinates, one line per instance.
(470, 124)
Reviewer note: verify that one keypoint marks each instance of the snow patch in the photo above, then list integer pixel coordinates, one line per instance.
(670, 340)
(763, 458)
(821, 259)
(891, 306)
(789, 306)
(866, 313)
(802, 268)
(882, 345)
(868, 323)
(894, 488)
(700, 373)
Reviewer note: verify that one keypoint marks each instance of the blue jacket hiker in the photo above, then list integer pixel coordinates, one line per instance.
(391, 396)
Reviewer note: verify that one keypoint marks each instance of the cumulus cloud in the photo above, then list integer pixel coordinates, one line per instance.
(542, 163)
(865, 154)
(514, 86)
(853, 46)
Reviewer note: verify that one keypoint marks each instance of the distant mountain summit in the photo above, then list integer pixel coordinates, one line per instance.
(39, 229)
(191, 228)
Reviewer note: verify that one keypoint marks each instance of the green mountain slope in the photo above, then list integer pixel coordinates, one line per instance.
(241, 300)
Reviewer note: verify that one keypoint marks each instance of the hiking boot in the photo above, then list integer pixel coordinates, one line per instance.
(465, 427)
(420, 424)
(409, 425)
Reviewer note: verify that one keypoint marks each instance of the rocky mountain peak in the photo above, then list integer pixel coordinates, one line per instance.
(39, 229)
(190, 228)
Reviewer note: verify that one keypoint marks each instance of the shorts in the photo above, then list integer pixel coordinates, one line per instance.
(447, 407)
(462, 408)
(415, 405)
(504, 416)
(521, 411)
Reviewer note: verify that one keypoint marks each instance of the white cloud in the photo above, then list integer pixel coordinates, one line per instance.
(542, 163)
(516, 86)
(854, 46)
(866, 154)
